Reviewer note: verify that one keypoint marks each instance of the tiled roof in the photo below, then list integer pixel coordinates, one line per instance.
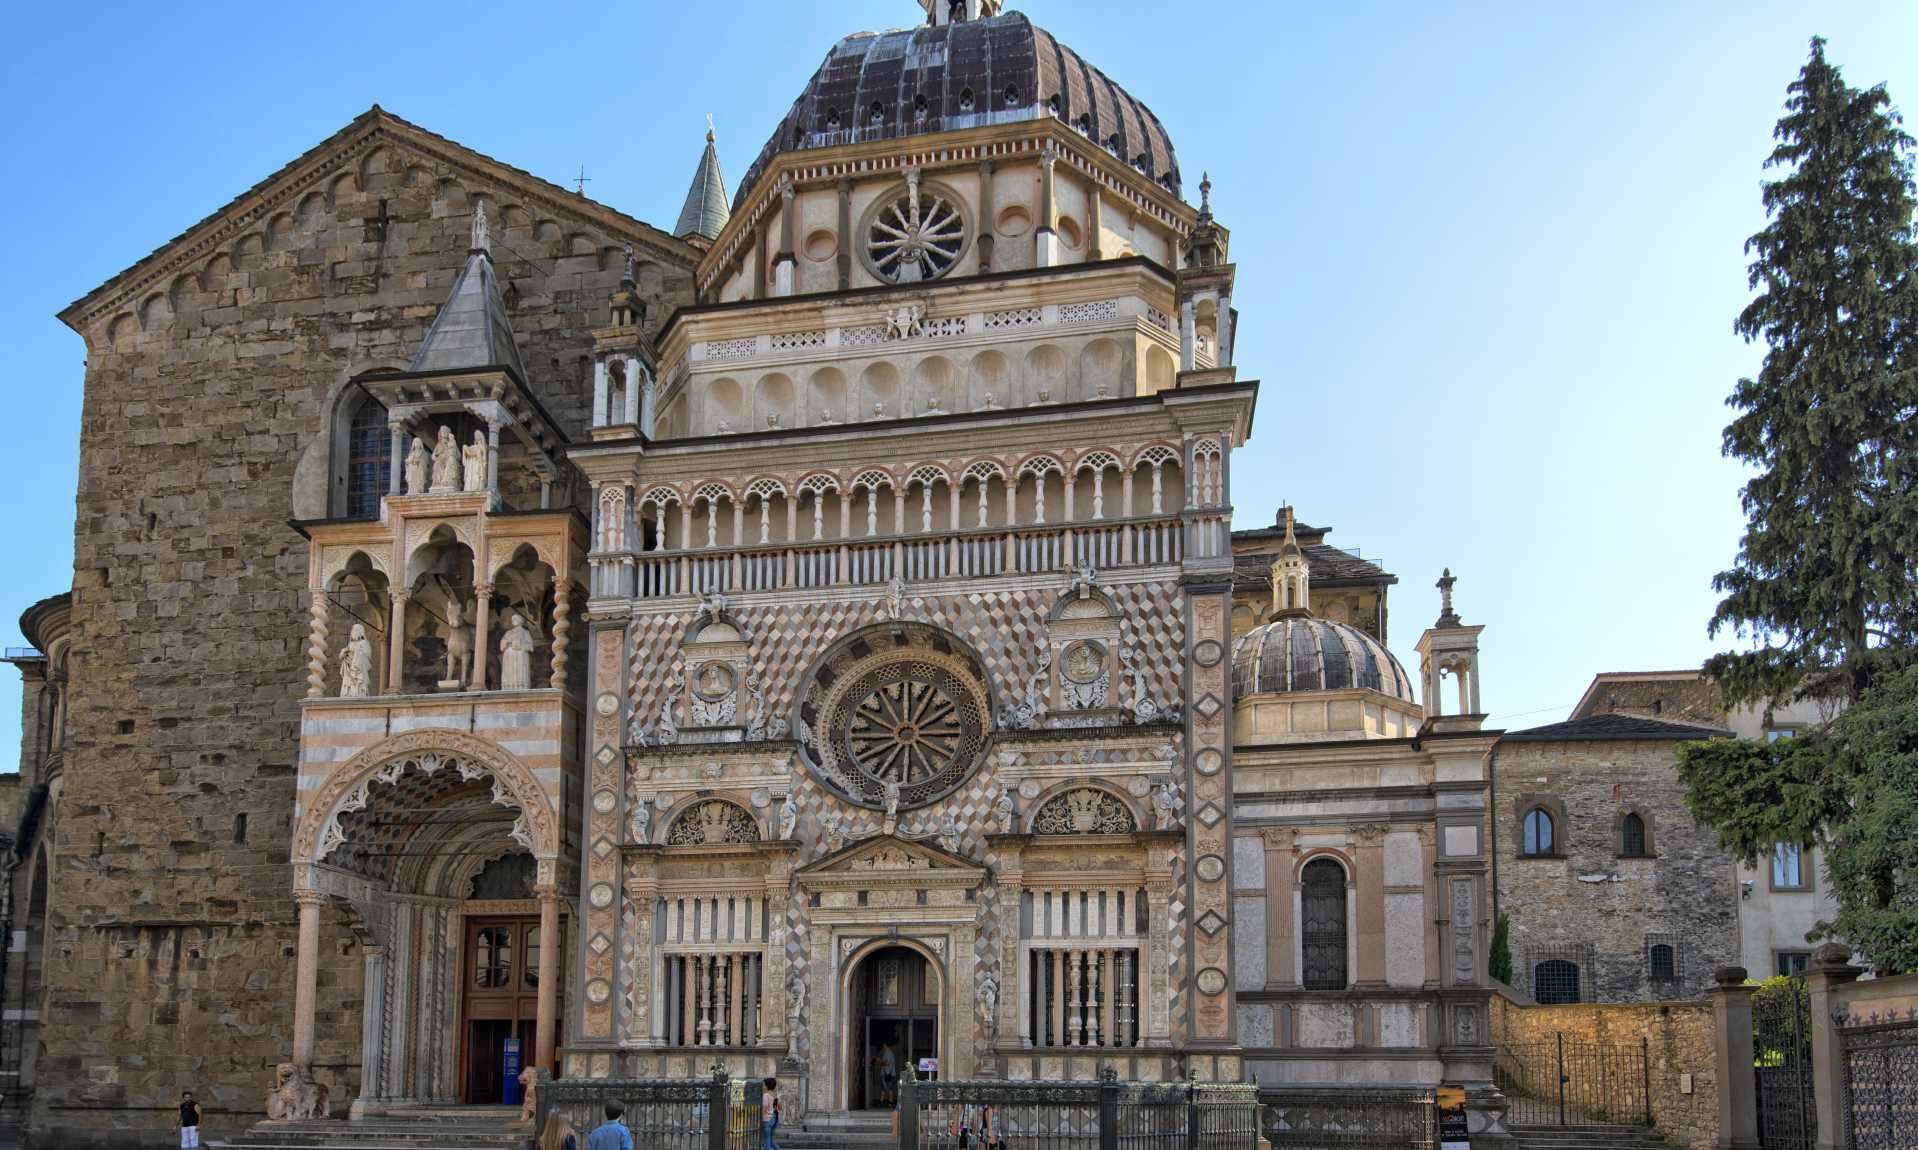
(705, 212)
(1612, 727)
(1328, 565)
(472, 329)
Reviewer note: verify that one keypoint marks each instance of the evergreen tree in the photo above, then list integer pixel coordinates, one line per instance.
(1826, 580)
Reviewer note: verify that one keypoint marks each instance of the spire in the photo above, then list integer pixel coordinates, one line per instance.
(705, 212)
(1205, 195)
(1291, 573)
(472, 330)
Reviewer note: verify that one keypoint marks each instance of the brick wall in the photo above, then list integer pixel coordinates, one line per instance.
(1589, 905)
(204, 429)
(1678, 1038)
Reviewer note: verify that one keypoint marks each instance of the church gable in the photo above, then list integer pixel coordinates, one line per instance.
(885, 857)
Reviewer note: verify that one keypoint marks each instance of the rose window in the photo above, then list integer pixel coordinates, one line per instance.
(915, 235)
(907, 708)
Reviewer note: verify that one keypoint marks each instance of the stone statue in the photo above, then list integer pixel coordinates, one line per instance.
(356, 664)
(989, 1004)
(295, 1096)
(1005, 811)
(891, 822)
(528, 1099)
(788, 816)
(833, 830)
(516, 657)
(1165, 809)
(459, 651)
(473, 463)
(894, 606)
(446, 462)
(949, 834)
(796, 998)
(417, 462)
(641, 823)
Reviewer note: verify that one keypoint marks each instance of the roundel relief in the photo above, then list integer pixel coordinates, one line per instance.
(901, 706)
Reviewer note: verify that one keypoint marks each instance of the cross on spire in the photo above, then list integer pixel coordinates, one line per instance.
(1447, 616)
(580, 181)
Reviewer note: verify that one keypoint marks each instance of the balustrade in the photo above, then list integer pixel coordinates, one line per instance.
(1082, 968)
(712, 970)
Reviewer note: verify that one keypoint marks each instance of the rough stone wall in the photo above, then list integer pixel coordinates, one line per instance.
(1693, 700)
(204, 429)
(1678, 1037)
(1590, 905)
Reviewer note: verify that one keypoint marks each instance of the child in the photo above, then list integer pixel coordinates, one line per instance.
(189, 1121)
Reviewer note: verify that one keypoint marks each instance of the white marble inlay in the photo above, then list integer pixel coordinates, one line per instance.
(1405, 939)
(1248, 862)
(1248, 950)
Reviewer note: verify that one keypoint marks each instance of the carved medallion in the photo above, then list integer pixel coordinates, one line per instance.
(1211, 868)
(598, 991)
(1211, 980)
(1207, 652)
(601, 895)
(607, 703)
(604, 801)
(713, 681)
(1209, 761)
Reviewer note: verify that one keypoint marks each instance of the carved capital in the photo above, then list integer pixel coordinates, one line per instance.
(1280, 838)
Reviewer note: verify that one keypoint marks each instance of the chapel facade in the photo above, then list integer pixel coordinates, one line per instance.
(813, 642)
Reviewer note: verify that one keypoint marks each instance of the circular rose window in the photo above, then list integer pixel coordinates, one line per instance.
(901, 706)
(914, 233)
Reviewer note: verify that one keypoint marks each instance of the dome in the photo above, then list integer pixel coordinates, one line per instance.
(965, 74)
(1302, 653)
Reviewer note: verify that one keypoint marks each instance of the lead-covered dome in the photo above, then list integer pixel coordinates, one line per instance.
(1302, 653)
(965, 74)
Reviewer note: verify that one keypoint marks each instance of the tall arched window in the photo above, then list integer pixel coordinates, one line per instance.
(1322, 930)
(361, 464)
(1540, 833)
(1631, 837)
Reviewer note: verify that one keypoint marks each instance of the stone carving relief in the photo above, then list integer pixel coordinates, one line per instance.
(1031, 708)
(1464, 964)
(715, 697)
(356, 664)
(711, 823)
(1165, 808)
(1083, 811)
(1144, 710)
(1084, 676)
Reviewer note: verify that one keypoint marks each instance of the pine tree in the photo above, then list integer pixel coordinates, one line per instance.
(1826, 580)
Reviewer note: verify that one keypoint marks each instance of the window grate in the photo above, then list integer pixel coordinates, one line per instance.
(1322, 933)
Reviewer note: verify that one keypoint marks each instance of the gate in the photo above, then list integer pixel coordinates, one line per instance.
(1106, 1114)
(717, 1113)
(1566, 1082)
(1781, 1064)
(1881, 1083)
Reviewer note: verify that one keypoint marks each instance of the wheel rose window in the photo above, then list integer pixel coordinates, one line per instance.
(917, 233)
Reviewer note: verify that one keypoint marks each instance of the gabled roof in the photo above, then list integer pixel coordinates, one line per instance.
(1612, 727)
(705, 212)
(472, 330)
(307, 172)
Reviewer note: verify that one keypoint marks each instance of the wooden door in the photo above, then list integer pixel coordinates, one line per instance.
(501, 1000)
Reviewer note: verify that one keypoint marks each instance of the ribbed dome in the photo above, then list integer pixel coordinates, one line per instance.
(968, 73)
(1302, 653)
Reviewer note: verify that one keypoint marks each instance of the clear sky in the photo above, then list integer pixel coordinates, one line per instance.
(1489, 254)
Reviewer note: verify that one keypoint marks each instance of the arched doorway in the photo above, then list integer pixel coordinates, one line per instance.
(892, 1021)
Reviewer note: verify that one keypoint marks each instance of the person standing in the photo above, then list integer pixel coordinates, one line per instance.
(611, 1134)
(889, 1076)
(769, 1116)
(189, 1121)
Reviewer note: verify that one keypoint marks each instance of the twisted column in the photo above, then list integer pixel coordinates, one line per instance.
(316, 646)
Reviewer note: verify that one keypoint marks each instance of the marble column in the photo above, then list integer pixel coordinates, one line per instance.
(600, 414)
(306, 971)
(482, 635)
(372, 1018)
(396, 643)
(1280, 970)
(1369, 858)
(547, 1011)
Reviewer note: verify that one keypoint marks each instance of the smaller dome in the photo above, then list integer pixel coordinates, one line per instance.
(1301, 653)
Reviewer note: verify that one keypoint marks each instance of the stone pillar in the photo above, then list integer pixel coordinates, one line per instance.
(1224, 353)
(482, 634)
(396, 643)
(1732, 1053)
(372, 1018)
(492, 459)
(1188, 334)
(631, 414)
(1831, 970)
(1369, 856)
(1158, 995)
(1045, 237)
(601, 417)
(985, 222)
(316, 643)
(306, 973)
(783, 261)
(547, 1010)
(845, 234)
(1280, 968)
(562, 632)
(396, 457)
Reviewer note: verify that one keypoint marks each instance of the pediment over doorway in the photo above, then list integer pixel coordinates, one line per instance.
(887, 859)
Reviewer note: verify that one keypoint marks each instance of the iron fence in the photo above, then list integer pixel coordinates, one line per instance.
(717, 1113)
(1102, 1115)
(1881, 1083)
(1336, 1118)
(1781, 1065)
(1567, 1082)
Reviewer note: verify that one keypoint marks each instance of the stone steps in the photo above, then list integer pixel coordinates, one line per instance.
(1593, 1137)
(449, 1131)
(839, 1130)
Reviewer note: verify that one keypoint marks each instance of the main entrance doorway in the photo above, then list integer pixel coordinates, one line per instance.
(501, 1002)
(892, 1022)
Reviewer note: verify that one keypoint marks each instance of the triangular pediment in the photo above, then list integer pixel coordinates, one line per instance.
(888, 857)
(314, 171)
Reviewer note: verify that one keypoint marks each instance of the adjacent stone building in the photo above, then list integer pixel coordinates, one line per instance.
(808, 642)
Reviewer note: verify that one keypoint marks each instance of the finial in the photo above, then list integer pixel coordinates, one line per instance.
(480, 243)
(709, 127)
(1447, 617)
(1285, 514)
(1205, 192)
(626, 277)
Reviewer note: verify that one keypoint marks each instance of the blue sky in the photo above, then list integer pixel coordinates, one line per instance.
(1489, 254)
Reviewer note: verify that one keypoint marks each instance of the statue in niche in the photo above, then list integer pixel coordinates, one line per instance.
(891, 822)
(788, 816)
(356, 664)
(295, 1096)
(894, 605)
(459, 649)
(640, 826)
(833, 830)
(1165, 809)
(417, 463)
(1005, 811)
(949, 834)
(989, 1004)
(473, 462)
(446, 462)
(516, 657)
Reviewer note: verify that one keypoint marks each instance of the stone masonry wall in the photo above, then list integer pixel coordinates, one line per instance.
(1678, 1037)
(204, 430)
(1587, 904)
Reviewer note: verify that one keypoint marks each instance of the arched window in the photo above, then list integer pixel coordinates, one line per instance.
(1662, 959)
(1631, 837)
(1322, 929)
(368, 460)
(1540, 834)
(1555, 982)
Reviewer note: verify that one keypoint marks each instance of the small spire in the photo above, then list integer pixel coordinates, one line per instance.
(626, 278)
(1205, 193)
(709, 127)
(1447, 616)
(480, 241)
(1285, 515)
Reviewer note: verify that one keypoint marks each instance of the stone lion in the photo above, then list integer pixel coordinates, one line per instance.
(295, 1095)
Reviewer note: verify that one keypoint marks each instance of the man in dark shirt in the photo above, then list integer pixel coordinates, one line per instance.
(189, 1122)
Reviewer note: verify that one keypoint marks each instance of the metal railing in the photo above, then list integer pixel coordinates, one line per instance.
(1566, 1082)
(1881, 1082)
(1338, 1118)
(717, 1113)
(1782, 1065)
(1102, 1115)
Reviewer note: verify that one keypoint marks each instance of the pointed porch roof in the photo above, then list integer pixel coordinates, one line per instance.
(472, 329)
